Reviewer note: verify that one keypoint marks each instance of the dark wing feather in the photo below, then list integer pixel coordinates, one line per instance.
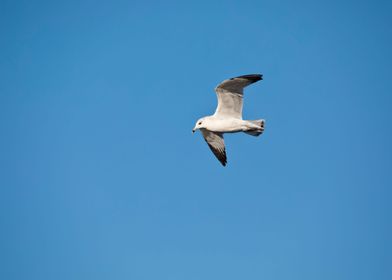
(216, 143)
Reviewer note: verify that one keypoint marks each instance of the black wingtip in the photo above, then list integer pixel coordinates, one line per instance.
(251, 77)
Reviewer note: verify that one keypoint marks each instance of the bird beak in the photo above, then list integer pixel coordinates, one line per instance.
(193, 131)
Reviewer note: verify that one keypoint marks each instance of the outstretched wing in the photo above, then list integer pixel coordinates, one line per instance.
(216, 143)
(230, 94)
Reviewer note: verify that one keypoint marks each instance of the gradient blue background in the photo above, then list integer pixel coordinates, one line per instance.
(101, 177)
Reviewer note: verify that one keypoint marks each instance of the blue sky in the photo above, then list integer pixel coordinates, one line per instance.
(101, 177)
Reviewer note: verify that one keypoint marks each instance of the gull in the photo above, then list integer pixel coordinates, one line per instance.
(228, 115)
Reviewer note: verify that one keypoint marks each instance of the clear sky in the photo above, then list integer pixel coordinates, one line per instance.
(101, 177)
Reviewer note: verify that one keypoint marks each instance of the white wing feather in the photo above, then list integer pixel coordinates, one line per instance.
(230, 95)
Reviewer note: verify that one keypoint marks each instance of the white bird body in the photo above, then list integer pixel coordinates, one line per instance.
(228, 115)
(227, 125)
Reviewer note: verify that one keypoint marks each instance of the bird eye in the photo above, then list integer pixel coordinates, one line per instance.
(199, 123)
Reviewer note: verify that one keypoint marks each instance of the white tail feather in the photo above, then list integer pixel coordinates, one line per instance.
(256, 131)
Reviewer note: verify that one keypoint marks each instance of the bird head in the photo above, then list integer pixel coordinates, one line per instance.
(199, 124)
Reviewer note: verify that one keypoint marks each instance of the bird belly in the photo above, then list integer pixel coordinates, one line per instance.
(226, 125)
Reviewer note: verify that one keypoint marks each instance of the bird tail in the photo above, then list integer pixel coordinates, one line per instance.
(256, 131)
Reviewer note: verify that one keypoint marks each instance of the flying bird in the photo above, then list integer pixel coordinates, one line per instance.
(228, 115)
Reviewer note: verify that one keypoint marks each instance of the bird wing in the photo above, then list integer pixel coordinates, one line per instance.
(216, 143)
(230, 94)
